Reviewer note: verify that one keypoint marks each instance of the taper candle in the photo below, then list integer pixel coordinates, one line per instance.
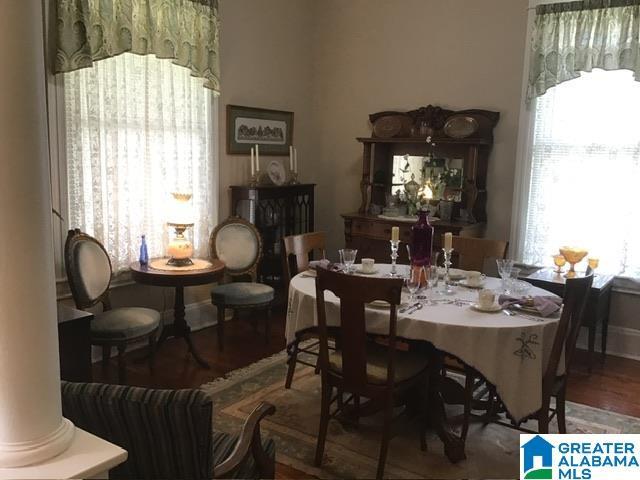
(295, 160)
(257, 158)
(448, 240)
(291, 157)
(395, 234)
(252, 164)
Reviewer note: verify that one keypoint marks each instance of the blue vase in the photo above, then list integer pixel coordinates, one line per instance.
(144, 254)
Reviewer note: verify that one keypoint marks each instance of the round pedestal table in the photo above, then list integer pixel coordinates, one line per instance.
(179, 278)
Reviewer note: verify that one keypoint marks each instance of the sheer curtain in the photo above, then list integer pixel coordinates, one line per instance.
(585, 172)
(138, 128)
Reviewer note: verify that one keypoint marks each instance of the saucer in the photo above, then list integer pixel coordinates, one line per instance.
(309, 273)
(466, 284)
(359, 271)
(496, 307)
(379, 304)
(454, 273)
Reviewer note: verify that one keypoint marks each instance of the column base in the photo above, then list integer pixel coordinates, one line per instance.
(20, 454)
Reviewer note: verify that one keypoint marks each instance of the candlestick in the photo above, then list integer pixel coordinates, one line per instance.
(448, 288)
(394, 256)
(395, 234)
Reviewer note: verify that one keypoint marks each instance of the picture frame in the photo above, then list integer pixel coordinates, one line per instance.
(272, 130)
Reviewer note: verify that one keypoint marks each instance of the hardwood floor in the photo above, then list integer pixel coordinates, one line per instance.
(614, 386)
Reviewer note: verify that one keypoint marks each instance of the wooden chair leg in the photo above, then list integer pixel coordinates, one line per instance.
(267, 326)
(121, 370)
(543, 418)
(106, 355)
(386, 436)
(220, 327)
(152, 352)
(292, 360)
(468, 398)
(324, 421)
(561, 410)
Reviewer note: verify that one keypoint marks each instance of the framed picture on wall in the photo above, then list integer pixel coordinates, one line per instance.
(248, 126)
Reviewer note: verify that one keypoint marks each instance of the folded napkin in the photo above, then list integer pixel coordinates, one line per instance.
(545, 305)
(315, 264)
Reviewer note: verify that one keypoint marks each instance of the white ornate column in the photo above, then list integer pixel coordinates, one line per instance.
(32, 428)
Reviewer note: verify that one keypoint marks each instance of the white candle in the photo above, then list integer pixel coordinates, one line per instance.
(395, 234)
(295, 160)
(257, 158)
(448, 240)
(291, 158)
(252, 164)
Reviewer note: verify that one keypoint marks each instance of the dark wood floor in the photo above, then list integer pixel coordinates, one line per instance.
(614, 386)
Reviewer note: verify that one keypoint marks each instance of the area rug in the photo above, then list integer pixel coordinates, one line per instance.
(352, 452)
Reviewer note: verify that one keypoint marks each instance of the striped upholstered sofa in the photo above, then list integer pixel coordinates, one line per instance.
(168, 433)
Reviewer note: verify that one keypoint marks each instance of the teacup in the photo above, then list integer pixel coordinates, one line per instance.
(475, 279)
(368, 265)
(486, 298)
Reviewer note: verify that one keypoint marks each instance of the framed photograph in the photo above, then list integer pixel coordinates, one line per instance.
(247, 126)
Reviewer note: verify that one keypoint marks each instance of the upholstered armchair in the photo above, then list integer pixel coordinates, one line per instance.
(168, 433)
(238, 244)
(89, 274)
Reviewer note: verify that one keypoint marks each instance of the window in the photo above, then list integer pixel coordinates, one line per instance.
(137, 129)
(585, 172)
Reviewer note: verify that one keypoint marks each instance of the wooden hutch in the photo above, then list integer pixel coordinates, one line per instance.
(421, 133)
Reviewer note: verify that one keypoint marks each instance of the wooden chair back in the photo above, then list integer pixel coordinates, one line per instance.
(296, 252)
(354, 292)
(576, 293)
(88, 268)
(472, 253)
(238, 244)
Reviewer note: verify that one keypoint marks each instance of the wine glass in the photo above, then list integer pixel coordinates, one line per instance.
(412, 281)
(348, 258)
(593, 263)
(432, 282)
(559, 261)
(504, 269)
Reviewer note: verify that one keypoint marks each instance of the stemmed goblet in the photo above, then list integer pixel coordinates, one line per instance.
(504, 269)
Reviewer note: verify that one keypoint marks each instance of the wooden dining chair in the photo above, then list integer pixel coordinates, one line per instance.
(360, 367)
(472, 253)
(237, 243)
(89, 274)
(296, 254)
(575, 297)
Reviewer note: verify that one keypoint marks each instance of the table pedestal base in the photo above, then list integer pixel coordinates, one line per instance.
(180, 328)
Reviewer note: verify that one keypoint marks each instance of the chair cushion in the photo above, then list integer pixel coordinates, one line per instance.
(123, 323)
(242, 293)
(223, 445)
(408, 364)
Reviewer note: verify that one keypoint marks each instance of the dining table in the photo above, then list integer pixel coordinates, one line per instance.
(509, 349)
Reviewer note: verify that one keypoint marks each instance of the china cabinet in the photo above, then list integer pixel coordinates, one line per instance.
(451, 166)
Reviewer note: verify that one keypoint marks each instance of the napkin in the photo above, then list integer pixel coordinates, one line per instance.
(544, 304)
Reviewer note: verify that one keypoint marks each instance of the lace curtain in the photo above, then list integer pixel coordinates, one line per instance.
(569, 38)
(186, 31)
(138, 128)
(585, 172)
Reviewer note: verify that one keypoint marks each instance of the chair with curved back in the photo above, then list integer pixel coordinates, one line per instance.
(473, 253)
(89, 274)
(296, 252)
(237, 243)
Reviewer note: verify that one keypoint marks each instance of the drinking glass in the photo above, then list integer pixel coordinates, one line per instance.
(348, 256)
(412, 281)
(504, 269)
(559, 261)
(513, 281)
(593, 263)
(432, 282)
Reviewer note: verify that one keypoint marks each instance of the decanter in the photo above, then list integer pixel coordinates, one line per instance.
(421, 240)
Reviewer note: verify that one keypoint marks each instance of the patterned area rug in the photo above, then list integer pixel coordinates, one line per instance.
(352, 452)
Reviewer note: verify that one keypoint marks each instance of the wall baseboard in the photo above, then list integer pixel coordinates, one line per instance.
(198, 315)
(621, 342)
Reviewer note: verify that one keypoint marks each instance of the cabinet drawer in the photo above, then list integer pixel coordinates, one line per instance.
(379, 230)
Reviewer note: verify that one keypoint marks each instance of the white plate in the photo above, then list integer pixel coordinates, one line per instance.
(379, 304)
(464, 283)
(359, 271)
(276, 172)
(454, 273)
(492, 309)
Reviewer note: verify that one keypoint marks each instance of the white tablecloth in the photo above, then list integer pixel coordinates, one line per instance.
(511, 352)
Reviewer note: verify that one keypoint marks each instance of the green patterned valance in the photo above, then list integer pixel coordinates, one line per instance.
(186, 31)
(573, 37)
